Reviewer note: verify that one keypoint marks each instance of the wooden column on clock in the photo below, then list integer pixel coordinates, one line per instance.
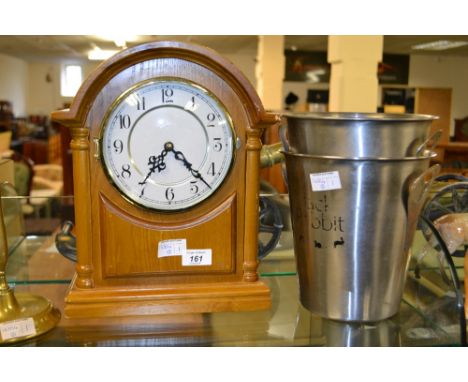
(118, 271)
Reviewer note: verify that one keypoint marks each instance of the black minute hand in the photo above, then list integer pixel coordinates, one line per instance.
(155, 163)
(195, 173)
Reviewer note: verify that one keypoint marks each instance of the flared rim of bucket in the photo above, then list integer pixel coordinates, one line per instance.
(348, 116)
(427, 155)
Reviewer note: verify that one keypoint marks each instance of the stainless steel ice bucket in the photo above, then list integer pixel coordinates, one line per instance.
(358, 134)
(353, 223)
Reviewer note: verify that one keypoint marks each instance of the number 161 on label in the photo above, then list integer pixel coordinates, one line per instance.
(195, 257)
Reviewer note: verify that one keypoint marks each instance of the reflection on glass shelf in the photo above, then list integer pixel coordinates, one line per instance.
(42, 215)
(33, 256)
(427, 316)
(287, 323)
(36, 260)
(12, 216)
(281, 261)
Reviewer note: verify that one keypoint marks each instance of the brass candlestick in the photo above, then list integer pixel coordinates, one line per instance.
(23, 315)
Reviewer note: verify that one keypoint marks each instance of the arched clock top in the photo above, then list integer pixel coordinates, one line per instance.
(166, 166)
(206, 57)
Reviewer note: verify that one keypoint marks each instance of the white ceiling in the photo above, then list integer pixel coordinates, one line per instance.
(76, 46)
(396, 44)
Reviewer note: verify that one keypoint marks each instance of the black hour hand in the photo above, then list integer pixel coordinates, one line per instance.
(155, 163)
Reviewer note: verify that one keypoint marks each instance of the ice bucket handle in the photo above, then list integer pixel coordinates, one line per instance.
(417, 194)
(430, 143)
(282, 135)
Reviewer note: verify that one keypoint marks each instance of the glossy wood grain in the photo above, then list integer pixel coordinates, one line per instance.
(118, 270)
(140, 257)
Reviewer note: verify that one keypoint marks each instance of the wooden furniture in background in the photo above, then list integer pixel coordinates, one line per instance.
(5, 141)
(37, 150)
(118, 271)
(66, 157)
(54, 152)
(461, 130)
(7, 118)
(391, 109)
(433, 101)
(421, 100)
(454, 155)
(43, 151)
(436, 101)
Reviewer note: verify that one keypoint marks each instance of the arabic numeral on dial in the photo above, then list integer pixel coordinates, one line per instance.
(141, 105)
(126, 171)
(124, 121)
(211, 170)
(218, 146)
(170, 194)
(167, 95)
(118, 146)
(194, 187)
(211, 118)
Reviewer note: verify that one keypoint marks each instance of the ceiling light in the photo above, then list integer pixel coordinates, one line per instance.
(440, 45)
(119, 40)
(98, 54)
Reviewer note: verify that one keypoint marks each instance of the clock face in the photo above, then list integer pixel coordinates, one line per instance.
(167, 144)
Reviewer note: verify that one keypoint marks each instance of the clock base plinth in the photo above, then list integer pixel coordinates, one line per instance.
(155, 300)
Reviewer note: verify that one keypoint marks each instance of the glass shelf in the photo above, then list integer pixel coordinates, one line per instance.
(421, 322)
(427, 316)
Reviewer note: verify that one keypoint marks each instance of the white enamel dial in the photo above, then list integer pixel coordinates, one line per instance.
(167, 144)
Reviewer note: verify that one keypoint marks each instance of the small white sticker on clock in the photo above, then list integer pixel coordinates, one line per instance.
(194, 257)
(174, 247)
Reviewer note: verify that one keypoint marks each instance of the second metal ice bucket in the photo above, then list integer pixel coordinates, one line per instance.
(363, 135)
(353, 223)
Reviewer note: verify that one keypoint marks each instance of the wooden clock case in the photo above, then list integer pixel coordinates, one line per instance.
(118, 272)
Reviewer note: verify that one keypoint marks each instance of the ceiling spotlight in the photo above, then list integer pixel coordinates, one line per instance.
(119, 40)
(439, 45)
(98, 54)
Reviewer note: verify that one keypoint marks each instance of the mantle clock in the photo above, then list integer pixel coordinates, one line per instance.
(166, 150)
